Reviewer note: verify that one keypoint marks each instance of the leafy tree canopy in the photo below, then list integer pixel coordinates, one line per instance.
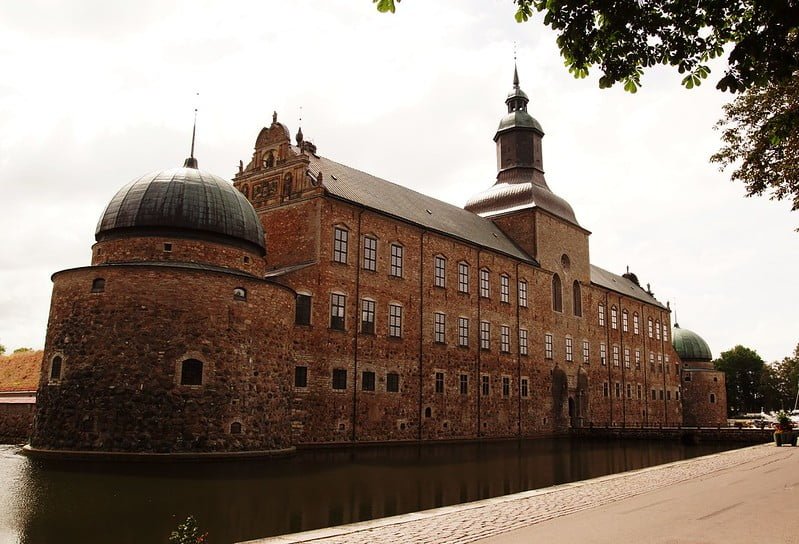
(2, 349)
(623, 37)
(743, 369)
(22, 350)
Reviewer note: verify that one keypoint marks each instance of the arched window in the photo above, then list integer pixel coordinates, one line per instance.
(577, 302)
(712, 398)
(428, 412)
(191, 372)
(557, 294)
(55, 368)
(614, 318)
(98, 285)
(235, 428)
(240, 293)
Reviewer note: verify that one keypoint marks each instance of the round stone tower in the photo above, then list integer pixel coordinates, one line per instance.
(171, 341)
(704, 394)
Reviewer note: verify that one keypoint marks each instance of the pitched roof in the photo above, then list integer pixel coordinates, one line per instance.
(622, 285)
(20, 371)
(378, 194)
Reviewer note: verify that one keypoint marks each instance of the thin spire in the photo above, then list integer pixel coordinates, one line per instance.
(515, 70)
(191, 162)
(299, 130)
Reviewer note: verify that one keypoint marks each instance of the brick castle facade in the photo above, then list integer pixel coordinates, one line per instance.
(317, 304)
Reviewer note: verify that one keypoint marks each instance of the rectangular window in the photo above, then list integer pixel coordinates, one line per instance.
(463, 331)
(668, 394)
(651, 361)
(657, 330)
(603, 354)
(660, 364)
(337, 311)
(523, 294)
(605, 390)
(505, 386)
(300, 376)
(636, 326)
(463, 277)
(661, 394)
(586, 352)
(624, 321)
(569, 349)
(504, 339)
(441, 272)
(392, 382)
(302, 311)
(485, 291)
(626, 357)
(439, 327)
(638, 359)
(629, 390)
(368, 380)
(601, 315)
(615, 355)
(485, 385)
(367, 316)
(523, 341)
(639, 391)
(614, 318)
(339, 378)
(485, 335)
(396, 260)
(504, 289)
(548, 346)
(665, 333)
(464, 384)
(340, 237)
(654, 395)
(618, 390)
(395, 320)
(439, 382)
(369, 254)
(649, 327)
(525, 388)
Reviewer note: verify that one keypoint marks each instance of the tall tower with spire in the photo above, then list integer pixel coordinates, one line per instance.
(521, 203)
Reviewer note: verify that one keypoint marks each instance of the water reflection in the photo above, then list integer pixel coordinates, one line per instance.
(47, 502)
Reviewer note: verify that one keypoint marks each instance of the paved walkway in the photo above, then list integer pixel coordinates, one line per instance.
(749, 496)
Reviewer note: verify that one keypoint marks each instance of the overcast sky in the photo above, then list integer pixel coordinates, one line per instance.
(95, 93)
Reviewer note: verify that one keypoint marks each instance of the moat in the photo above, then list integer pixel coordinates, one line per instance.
(42, 502)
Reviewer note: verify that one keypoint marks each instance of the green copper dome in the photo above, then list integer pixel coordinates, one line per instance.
(689, 345)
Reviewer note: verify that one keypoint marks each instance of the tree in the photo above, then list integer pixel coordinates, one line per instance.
(22, 350)
(2, 349)
(761, 135)
(743, 369)
(787, 378)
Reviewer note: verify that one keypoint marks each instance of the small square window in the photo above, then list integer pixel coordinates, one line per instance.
(167, 247)
(339, 378)
(368, 380)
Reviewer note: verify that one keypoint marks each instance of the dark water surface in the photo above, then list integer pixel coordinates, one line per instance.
(102, 502)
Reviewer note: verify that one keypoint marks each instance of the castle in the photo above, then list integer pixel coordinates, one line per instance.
(312, 303)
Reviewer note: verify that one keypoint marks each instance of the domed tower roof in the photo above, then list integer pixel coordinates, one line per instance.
(183, 201)
(689, 345)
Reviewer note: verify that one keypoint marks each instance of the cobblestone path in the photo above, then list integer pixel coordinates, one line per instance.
(473, 521)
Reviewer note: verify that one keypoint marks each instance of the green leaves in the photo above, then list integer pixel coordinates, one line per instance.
(695, 78)
(384, 6)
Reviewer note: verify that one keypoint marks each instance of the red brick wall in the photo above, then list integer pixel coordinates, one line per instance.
(698, 410)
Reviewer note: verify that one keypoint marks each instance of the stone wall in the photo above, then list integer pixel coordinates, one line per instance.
(16, 421)
(704, 397)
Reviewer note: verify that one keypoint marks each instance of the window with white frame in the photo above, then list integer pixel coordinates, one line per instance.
(463, 277)
(636, 324)
(395, 320)
(504, 339)
(504, 288)
(615, 355)
(638, 359)
(485, 290)
(440, 279)
(367, 316)
(626, 357)
(485, 385)
(614, 318)
(369, 253)
(523, 341)
(525, 387)
(586, 352)
(601, 315)
(337, 303)
(649, 327)
(657, 330)
(651, 360)
(440, 327)
(569, 349)
(463, 331)
(603, 354)
(340, 240)
(665, 333)
(523, 294)
(548, 347)
(485, 335)
(624, 317)
(505, 386)
(396, 260)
